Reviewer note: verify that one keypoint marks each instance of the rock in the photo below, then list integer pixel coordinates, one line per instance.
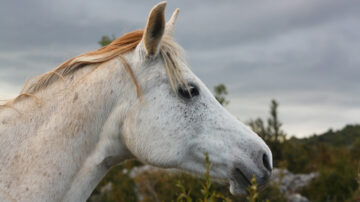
(106, 188)
(289, 183)
(297, 198)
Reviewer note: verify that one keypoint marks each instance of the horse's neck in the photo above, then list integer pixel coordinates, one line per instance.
(61, 150)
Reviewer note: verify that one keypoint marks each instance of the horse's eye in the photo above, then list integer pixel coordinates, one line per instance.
(189, 92)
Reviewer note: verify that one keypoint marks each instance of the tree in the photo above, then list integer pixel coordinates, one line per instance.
(274, 125)
(106, 40)
(272, 132)
(220, 92)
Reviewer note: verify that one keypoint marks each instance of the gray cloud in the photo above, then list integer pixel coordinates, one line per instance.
(303, 53)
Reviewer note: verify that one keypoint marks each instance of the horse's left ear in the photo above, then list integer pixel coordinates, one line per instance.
(154, 29)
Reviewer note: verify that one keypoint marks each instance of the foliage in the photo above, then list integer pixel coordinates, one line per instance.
(344, 137)
(220, 92)
(106, 40)
(333, 154)
(253, 192)
(355, 149)
(269, 193)
(356, 195)
(296, 157)
(335, 183)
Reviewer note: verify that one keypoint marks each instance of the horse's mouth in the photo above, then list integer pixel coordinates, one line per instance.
(238, 182)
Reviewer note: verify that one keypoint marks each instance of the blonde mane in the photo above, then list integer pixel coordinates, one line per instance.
(169, 50)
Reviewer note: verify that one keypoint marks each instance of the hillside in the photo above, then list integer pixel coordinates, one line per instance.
(343, 137)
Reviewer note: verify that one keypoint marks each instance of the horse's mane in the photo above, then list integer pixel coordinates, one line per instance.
(169, 50)
(118, 47)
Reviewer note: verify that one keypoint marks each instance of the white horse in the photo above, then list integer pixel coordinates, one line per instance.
(136, 98)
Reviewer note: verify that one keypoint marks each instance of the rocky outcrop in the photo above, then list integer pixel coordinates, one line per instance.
(290, 183)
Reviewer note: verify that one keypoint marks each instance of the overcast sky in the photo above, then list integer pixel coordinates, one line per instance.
(303, 53)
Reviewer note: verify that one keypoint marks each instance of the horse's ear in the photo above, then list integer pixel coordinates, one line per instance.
(154, 29)
(170, 25)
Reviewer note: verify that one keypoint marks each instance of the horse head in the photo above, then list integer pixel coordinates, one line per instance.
(178, 119)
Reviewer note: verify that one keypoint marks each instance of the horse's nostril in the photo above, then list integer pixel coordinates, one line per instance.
(266, 162)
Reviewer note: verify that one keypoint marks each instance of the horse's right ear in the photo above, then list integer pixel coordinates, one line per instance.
(154, 29)
(170, 25)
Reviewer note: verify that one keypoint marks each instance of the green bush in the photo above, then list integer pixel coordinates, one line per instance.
(336, 183)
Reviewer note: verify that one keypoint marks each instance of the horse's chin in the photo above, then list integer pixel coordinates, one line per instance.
(237, 188)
